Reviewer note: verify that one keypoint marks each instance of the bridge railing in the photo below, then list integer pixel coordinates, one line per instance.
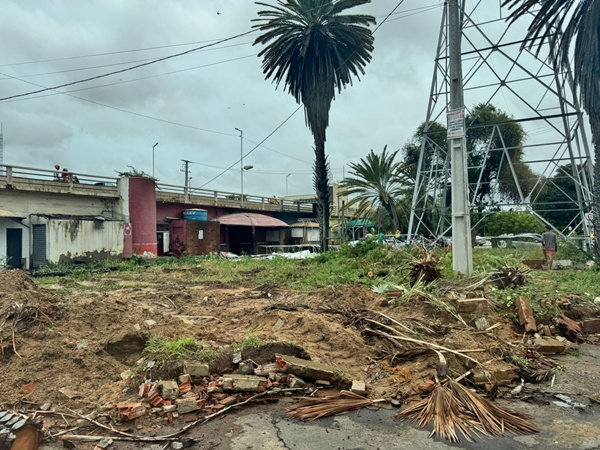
(76, 182)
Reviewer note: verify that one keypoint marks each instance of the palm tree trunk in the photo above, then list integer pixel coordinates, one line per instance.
(321, 183)
(390, 208)
(595, 126)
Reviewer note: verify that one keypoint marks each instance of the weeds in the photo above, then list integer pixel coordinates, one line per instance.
(161, 348)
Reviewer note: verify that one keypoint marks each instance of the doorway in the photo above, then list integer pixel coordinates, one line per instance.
(14, 248)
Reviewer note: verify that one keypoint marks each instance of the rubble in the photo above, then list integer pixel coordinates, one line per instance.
(197, 369)
(526, 315)
(469, 305)
(547, 345)
(186, 405)
(306, 369)
(168, 390)
(591, 326)
(359, 387)
(127, 411)
(243, 383)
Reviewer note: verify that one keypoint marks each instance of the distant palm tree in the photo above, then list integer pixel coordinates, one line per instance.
(376, 181)
(315, 50)
(582, 32)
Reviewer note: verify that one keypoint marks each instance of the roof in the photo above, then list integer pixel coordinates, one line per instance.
(305, 224)
(360, 223)
(250, 220)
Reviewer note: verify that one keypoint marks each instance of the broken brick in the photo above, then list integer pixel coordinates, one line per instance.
(306, 369)
(569, 328)
(154, 399)
(526, 315)
(144, 389)
(467, 305)
(127, 411)
(266, 369)
(28, 388)
(185, 387)
(591, 326)
(228, 401)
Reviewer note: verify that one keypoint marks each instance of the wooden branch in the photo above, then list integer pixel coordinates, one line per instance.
(417, 341)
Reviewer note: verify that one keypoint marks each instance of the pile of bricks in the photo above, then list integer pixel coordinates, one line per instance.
(197, 390)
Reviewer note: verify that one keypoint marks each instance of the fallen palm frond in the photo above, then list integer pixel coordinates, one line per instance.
(315, 408)
(453, 408)
(423, 267)
(502, 278)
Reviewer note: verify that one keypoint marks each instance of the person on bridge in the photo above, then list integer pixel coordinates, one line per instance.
(57, 172)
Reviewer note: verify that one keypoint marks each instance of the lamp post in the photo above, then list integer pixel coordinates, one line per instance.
(242, 166)
(286, 184)
(153, 147)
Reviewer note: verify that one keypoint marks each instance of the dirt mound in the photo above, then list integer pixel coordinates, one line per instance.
(17, 287)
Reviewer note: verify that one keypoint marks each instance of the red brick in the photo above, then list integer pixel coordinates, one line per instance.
(548, 345)
(228, 401)
(468, 305)
(526, 315)
(591, 326)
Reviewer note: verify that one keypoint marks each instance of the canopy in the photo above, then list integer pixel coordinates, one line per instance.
(12, 215)
(251, 220)
(360, 223)
(305, 225)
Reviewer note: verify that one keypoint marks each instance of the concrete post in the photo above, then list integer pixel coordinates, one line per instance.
(462, 255)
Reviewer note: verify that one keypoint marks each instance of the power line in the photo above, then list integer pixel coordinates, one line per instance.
(56, 92)
(127, 69)
(31, 75)
(290, 116)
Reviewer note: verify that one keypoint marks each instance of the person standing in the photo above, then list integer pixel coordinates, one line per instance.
(549, 245)
(56, 172)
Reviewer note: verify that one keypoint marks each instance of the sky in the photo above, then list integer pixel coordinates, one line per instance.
(191, 105)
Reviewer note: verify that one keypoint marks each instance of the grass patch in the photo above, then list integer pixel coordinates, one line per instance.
(181, 348)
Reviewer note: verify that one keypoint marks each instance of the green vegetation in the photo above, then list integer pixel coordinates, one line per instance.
(162, 348)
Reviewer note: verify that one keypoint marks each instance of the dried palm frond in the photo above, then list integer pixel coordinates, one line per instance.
(423, 267)
(315, 408)
(453, 408)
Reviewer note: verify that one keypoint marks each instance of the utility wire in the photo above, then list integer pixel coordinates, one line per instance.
(127, 69)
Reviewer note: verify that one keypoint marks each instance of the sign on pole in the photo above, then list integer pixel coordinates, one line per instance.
(456, 123)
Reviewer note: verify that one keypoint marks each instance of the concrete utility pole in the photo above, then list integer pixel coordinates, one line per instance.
(462, 254)
(187, 179)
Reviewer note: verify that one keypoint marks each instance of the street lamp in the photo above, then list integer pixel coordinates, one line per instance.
(242, 168)
(286, 184)
(153, 147)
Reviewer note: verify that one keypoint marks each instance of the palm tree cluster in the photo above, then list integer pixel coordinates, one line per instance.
(377, 180)
(315, 50)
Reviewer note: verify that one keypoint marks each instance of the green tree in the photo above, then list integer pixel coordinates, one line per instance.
(508, 222)
(315, 50)
(377, 180)
(582, 35)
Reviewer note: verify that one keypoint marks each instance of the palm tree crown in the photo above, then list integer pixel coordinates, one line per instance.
(315, 50)
(377, 180)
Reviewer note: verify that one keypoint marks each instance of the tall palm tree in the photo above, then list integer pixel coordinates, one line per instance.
(315, 50)
(377, 180)
(582, 35)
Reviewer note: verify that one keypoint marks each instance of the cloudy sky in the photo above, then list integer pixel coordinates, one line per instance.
(192, 104)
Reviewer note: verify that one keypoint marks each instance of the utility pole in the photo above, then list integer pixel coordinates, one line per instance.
(153, 147)
(462, 253)
(186, 194)
(241, 166)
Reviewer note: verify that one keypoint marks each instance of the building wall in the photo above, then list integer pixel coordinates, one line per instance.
(4, 225)
(82, 241)
(26, 203)
(142, 212)
(211, 237)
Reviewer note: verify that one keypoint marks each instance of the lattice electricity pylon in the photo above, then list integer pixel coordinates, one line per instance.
(539, 96)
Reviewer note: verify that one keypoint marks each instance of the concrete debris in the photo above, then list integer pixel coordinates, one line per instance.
(482, 324)
(177, 445)
(104, 443)
(45, 406)
(184, 379)
(278, 325)
(359, 387)
(246, 368)
(306, 369)
(266, 369)
(149, 323)
(237, 357)
(243, 383)
(186, 405)
(125, 375)
(548, 345)
(294, 382)
(197, 369)
(591, 326)
(499, 376)
(168, 390)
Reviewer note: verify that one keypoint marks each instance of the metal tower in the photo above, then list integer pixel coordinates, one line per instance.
(537, 95)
